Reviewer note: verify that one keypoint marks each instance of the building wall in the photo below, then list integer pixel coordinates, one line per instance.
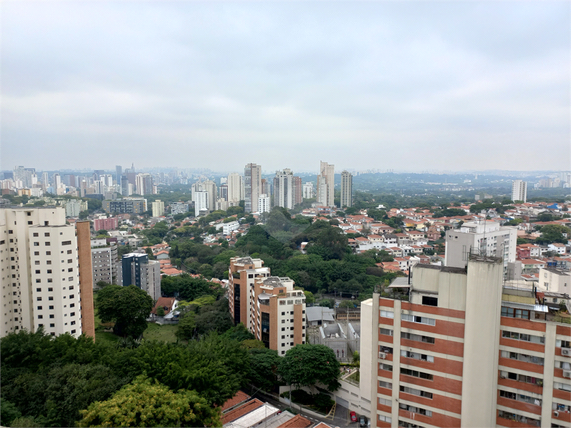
(346, 189)
(252, 187)
(85, 277)
(40, 288)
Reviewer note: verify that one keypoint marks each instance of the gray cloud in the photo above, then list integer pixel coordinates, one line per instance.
(401, 85)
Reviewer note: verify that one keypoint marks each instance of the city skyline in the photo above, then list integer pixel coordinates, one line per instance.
(372, 85)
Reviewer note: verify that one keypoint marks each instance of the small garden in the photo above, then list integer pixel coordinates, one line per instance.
(321, 401)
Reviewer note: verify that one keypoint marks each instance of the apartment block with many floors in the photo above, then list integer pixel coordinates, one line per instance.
(268, 306)
(455, 347)
(104, 261)
(46, 272)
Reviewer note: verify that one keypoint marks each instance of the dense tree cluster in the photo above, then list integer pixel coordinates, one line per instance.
(50, 380)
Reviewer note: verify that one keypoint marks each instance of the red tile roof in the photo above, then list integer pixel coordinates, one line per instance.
(244, 409)
(297, 421)
(240, 397)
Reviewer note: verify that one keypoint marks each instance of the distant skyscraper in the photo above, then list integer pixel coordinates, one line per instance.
(158, 208)
(297, 190)
(326, 184)
(144, 184)
(235, 184)
(252, 187)
(209, 187)
(200, 199)
(308, 190)
(45, 180)
(264, 203)
(118, 175)
(283, 189)
(519, 190)
(346, 189)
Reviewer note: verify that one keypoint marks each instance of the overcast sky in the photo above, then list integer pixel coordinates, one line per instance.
(408, 85)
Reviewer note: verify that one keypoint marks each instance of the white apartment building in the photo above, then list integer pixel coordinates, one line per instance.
(158, 208)
(39, 256)
(554, 280)
(235, 184)
(486, 238)
(308, 190)
(519, 190)
(346, 189)
(104, 261)
(200, 202)
(264, 204)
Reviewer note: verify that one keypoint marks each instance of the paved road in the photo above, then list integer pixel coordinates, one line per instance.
(341, 418)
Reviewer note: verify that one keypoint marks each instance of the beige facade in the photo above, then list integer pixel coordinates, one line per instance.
(554, 280)
(326, 184)
(268, 306)
(459, 349)
(40, 272)
(104, 262)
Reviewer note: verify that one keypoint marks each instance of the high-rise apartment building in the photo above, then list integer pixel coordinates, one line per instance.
(144, 184)
(346, 189)
(456, 348)
(104, 261)
(308, 191)
(267, 305)
(326, 184)
(158, 208)
(252, 187)
(297, 190)
(118, 175)
(283, 189)
(485, 238)
(200, 199)
(44, 272)
(24, 175)
(264, 204)
(235, 185)
(143, 273)
(519, 190)
(209, 187)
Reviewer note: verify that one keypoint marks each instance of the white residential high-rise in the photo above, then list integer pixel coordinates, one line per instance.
(519, 190)
(200, 202)
(264, 203)
(42, 263)
(158, 208)
(326, 184)
(252, 187)
(308, 190)
(346, 189)
(235, 184)
(283, 189)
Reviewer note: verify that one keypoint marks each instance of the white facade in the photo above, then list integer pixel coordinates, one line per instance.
(158, 208)
(283, 189)
(40, 272)
(228, 228)
(200, 202)
(554, 280)
(264, 204)
(519, 190)
(346, 189)
(252, 187)
(487, 238)
(308, 191)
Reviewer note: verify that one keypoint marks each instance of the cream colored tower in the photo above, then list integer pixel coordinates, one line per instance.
(40, 272)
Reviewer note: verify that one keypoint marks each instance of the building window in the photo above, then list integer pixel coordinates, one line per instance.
(417, 319)
(383, 384)
(48, 244)
(387, 314)
(66, 243)
(40, 317)
(515, 313)
(415, 409)
(39, 290)
(417, 356)
(50, 307)
(52, 325)
(417, 337)
(47, 234)
(523, 357)
(415, 391)
(416, 373)
(48, 253)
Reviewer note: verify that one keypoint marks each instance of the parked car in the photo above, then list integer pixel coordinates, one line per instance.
(353, 416)
(363, 421)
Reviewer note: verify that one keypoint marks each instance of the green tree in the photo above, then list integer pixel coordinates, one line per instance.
(128, 307)
(148, 403)
(554, 233)
(263, 367)
(186, 326)
(307, 365)
(8, 412)
(309, 298)
(160, 311)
